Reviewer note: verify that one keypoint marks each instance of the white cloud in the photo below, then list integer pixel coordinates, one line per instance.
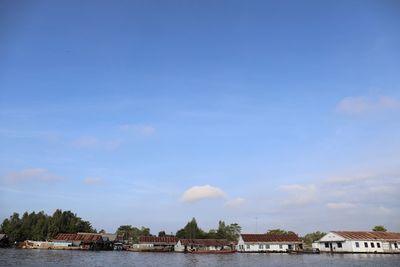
(340, 205)
(92, 181)
(299, 195)
(361, 104)
(235, 203)
(197, 193)
(95, 143)
(350, 179)
(32, 175)
(144, 130)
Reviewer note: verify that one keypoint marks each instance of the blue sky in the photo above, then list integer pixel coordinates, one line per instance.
(266, 113)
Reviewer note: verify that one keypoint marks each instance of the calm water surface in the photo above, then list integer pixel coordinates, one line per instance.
(17, 257)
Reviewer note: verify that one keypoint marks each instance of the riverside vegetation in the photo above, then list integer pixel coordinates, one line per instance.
(40, 226)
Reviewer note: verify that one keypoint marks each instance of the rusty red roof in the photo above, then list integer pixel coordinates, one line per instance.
(164, 240)
(368, 235)
(79, 237)
(270, 238)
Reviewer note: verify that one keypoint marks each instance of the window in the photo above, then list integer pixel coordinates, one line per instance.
(395, 245)
(366, 244)
(267, 246)
(339, 245)
(326, 244)
(372, 245)
(378, 245)
(280, 246)
(261, 246)
(248, 246)
(357, 245)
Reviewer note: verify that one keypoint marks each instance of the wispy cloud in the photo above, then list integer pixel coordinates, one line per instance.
(197, 193)
(96, 143)
(32, 175)
(340, 205)
(362, 104)
(140, 129)
(235, 203)
(299, 195)
(92, 181)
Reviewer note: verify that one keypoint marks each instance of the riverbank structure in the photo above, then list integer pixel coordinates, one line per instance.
(359, 242)
(162, 243)
(269, 243)
(195, 245)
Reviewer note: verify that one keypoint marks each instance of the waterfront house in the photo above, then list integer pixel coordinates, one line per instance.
(112, 241)
(164, 243)
(359, 242)
(30, 244)
(189, 245)
(269, 243)
(82, 240)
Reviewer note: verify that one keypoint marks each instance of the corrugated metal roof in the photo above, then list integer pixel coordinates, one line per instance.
(164, 240)
(359, 235)
(79, 237)
(205, 242)
(270, 238)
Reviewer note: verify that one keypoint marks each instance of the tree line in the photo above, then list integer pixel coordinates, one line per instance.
(40, 226)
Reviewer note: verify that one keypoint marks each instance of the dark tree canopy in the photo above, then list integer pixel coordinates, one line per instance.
(192, 230)
(279, 232)
(379, 228)
(311, 237)
(131, 234)
(40, 226)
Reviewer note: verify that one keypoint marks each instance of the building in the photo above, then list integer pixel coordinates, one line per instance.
(30, 244)
(359, 242)
(269, 243)
(112, 241)
(154, 243)
(190, 245)
(82, 240)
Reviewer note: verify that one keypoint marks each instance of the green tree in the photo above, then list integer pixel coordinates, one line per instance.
(39, 226)
(230, 232)
(279, 232)
(379, 228)
(191, 231)
(131, 234)
(161, 234)
(311, 237)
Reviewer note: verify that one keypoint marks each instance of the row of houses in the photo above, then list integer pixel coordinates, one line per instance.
(246, 243)
(333, 242)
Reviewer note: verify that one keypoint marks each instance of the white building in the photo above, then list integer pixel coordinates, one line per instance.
(269, 243)
(359, 242)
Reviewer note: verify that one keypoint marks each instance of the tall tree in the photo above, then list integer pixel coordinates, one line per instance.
(311, 237)
(132, 234)
(191, 231)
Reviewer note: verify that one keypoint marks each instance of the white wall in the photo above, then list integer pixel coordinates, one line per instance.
(266, 247)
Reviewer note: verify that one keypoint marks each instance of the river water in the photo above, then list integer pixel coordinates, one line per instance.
(18, 257)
